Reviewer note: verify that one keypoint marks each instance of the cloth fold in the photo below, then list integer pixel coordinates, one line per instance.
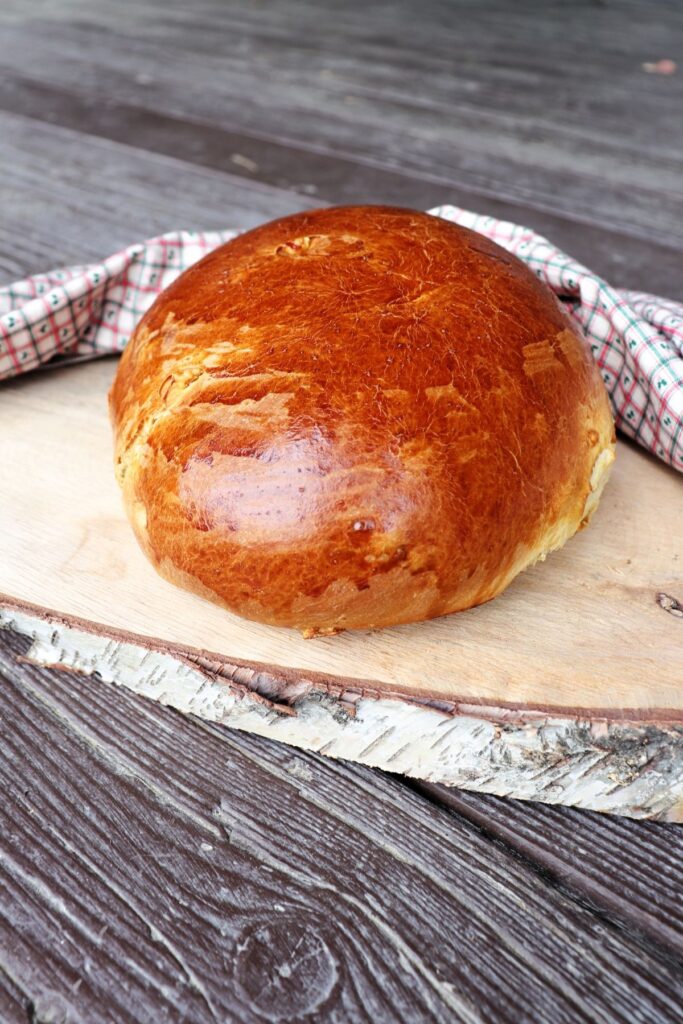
(91, 310)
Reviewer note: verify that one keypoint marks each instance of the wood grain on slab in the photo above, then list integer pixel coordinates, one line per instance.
(584, 630)
(220, 878)
(540, 694)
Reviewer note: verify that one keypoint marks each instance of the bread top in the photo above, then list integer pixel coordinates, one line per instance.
(357, 416)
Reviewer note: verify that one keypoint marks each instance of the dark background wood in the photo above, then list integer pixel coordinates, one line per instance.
(154, 868)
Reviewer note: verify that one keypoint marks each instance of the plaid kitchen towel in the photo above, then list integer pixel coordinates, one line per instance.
(637, 339)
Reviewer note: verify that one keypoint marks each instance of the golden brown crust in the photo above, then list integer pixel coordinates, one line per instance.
(357, 417)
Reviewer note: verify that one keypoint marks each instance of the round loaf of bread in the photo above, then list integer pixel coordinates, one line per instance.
(357, 417)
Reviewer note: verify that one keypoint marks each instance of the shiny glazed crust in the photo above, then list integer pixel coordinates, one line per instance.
(357, 417)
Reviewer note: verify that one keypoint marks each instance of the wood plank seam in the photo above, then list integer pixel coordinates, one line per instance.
(669, 941)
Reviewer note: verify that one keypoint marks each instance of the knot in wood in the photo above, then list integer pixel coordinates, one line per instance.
(50, 1007)
(284, 969)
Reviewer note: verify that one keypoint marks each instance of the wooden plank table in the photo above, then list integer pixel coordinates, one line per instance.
(158, 868)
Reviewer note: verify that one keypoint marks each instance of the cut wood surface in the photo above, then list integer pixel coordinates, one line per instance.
(541, 694)
(562, 637)
(118, 122)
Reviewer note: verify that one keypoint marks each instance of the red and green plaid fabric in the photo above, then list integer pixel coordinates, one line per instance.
(637, 339)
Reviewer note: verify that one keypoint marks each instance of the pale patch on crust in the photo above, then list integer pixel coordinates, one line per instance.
(540, 357)
(449, 393)
(573, 353)
(348, 606)
(598, 479)
(272, 408)
(305, 245)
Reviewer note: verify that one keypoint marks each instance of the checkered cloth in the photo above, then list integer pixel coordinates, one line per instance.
(637, 339)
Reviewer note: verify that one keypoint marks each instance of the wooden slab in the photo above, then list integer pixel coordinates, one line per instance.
(579, 660)
(584, 629)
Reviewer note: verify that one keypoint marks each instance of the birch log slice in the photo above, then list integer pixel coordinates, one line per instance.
(568, 688)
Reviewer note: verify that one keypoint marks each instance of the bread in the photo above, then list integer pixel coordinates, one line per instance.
(357, 417)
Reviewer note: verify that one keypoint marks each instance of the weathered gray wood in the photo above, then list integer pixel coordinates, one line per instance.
(626, 259)
(551, 118)
(13, 1006)
(590, 854)
(416, 94)
(66, 200)
(215, 877)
